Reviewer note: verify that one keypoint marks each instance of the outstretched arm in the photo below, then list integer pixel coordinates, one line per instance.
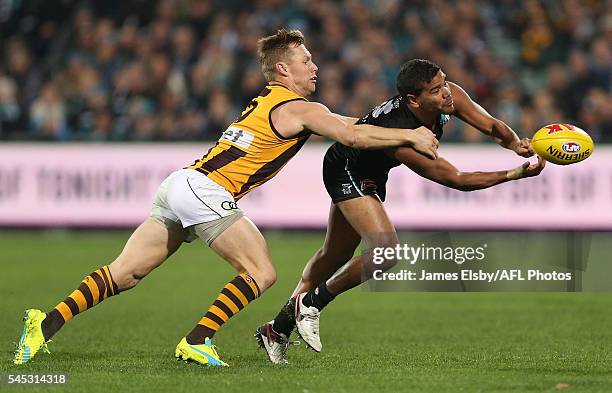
(443, 172)
(293, 117)
(475, 115)
(348, 119)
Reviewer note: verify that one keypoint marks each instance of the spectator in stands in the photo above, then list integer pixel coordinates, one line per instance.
(170, 71)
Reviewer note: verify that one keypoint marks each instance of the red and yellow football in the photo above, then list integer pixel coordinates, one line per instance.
(562, 144)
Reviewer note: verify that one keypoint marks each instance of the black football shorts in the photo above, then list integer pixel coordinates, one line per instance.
(343, 181)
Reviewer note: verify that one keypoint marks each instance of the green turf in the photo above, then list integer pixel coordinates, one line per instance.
(373, 342)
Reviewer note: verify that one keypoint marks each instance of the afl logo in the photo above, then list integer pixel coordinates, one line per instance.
(571, 147)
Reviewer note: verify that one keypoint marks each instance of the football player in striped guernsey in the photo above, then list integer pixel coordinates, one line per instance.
(199, 201)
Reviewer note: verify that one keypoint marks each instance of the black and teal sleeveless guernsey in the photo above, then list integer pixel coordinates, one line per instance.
(352, 173)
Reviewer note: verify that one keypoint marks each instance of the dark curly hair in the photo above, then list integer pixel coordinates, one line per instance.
(413, 74)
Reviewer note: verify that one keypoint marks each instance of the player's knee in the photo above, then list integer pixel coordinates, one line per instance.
(387, 264)
(384, 253)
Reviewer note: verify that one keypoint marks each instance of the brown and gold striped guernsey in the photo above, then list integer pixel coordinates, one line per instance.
(251, 151)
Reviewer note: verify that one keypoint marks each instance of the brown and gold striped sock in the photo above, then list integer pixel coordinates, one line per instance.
(96, 287)
(234, 297)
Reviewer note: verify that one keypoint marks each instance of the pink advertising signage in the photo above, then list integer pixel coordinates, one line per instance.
(106, 185)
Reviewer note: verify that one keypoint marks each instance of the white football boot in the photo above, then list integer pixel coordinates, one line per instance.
(307, 323)
(275, 344)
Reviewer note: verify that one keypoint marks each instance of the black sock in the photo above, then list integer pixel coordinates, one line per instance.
(51, 324)
(318, 297)
(285, 320)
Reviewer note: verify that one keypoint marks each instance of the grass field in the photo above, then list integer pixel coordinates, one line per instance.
(373, 342)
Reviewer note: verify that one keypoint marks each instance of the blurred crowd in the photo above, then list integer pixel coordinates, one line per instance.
(174, 70)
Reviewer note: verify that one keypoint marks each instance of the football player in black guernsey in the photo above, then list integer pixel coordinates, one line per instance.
(356, 182)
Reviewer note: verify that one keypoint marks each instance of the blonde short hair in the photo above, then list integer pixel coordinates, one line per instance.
(275, 48)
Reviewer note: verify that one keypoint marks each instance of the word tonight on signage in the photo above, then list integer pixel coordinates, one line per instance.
(93, 184)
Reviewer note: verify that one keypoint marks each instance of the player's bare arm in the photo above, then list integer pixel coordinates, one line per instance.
(294, 117)
(443, 172)
(348, 119)
(475, 115)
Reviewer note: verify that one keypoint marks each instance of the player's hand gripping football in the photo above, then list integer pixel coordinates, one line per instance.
(527, 170)
(523, 147)
(425, 142)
